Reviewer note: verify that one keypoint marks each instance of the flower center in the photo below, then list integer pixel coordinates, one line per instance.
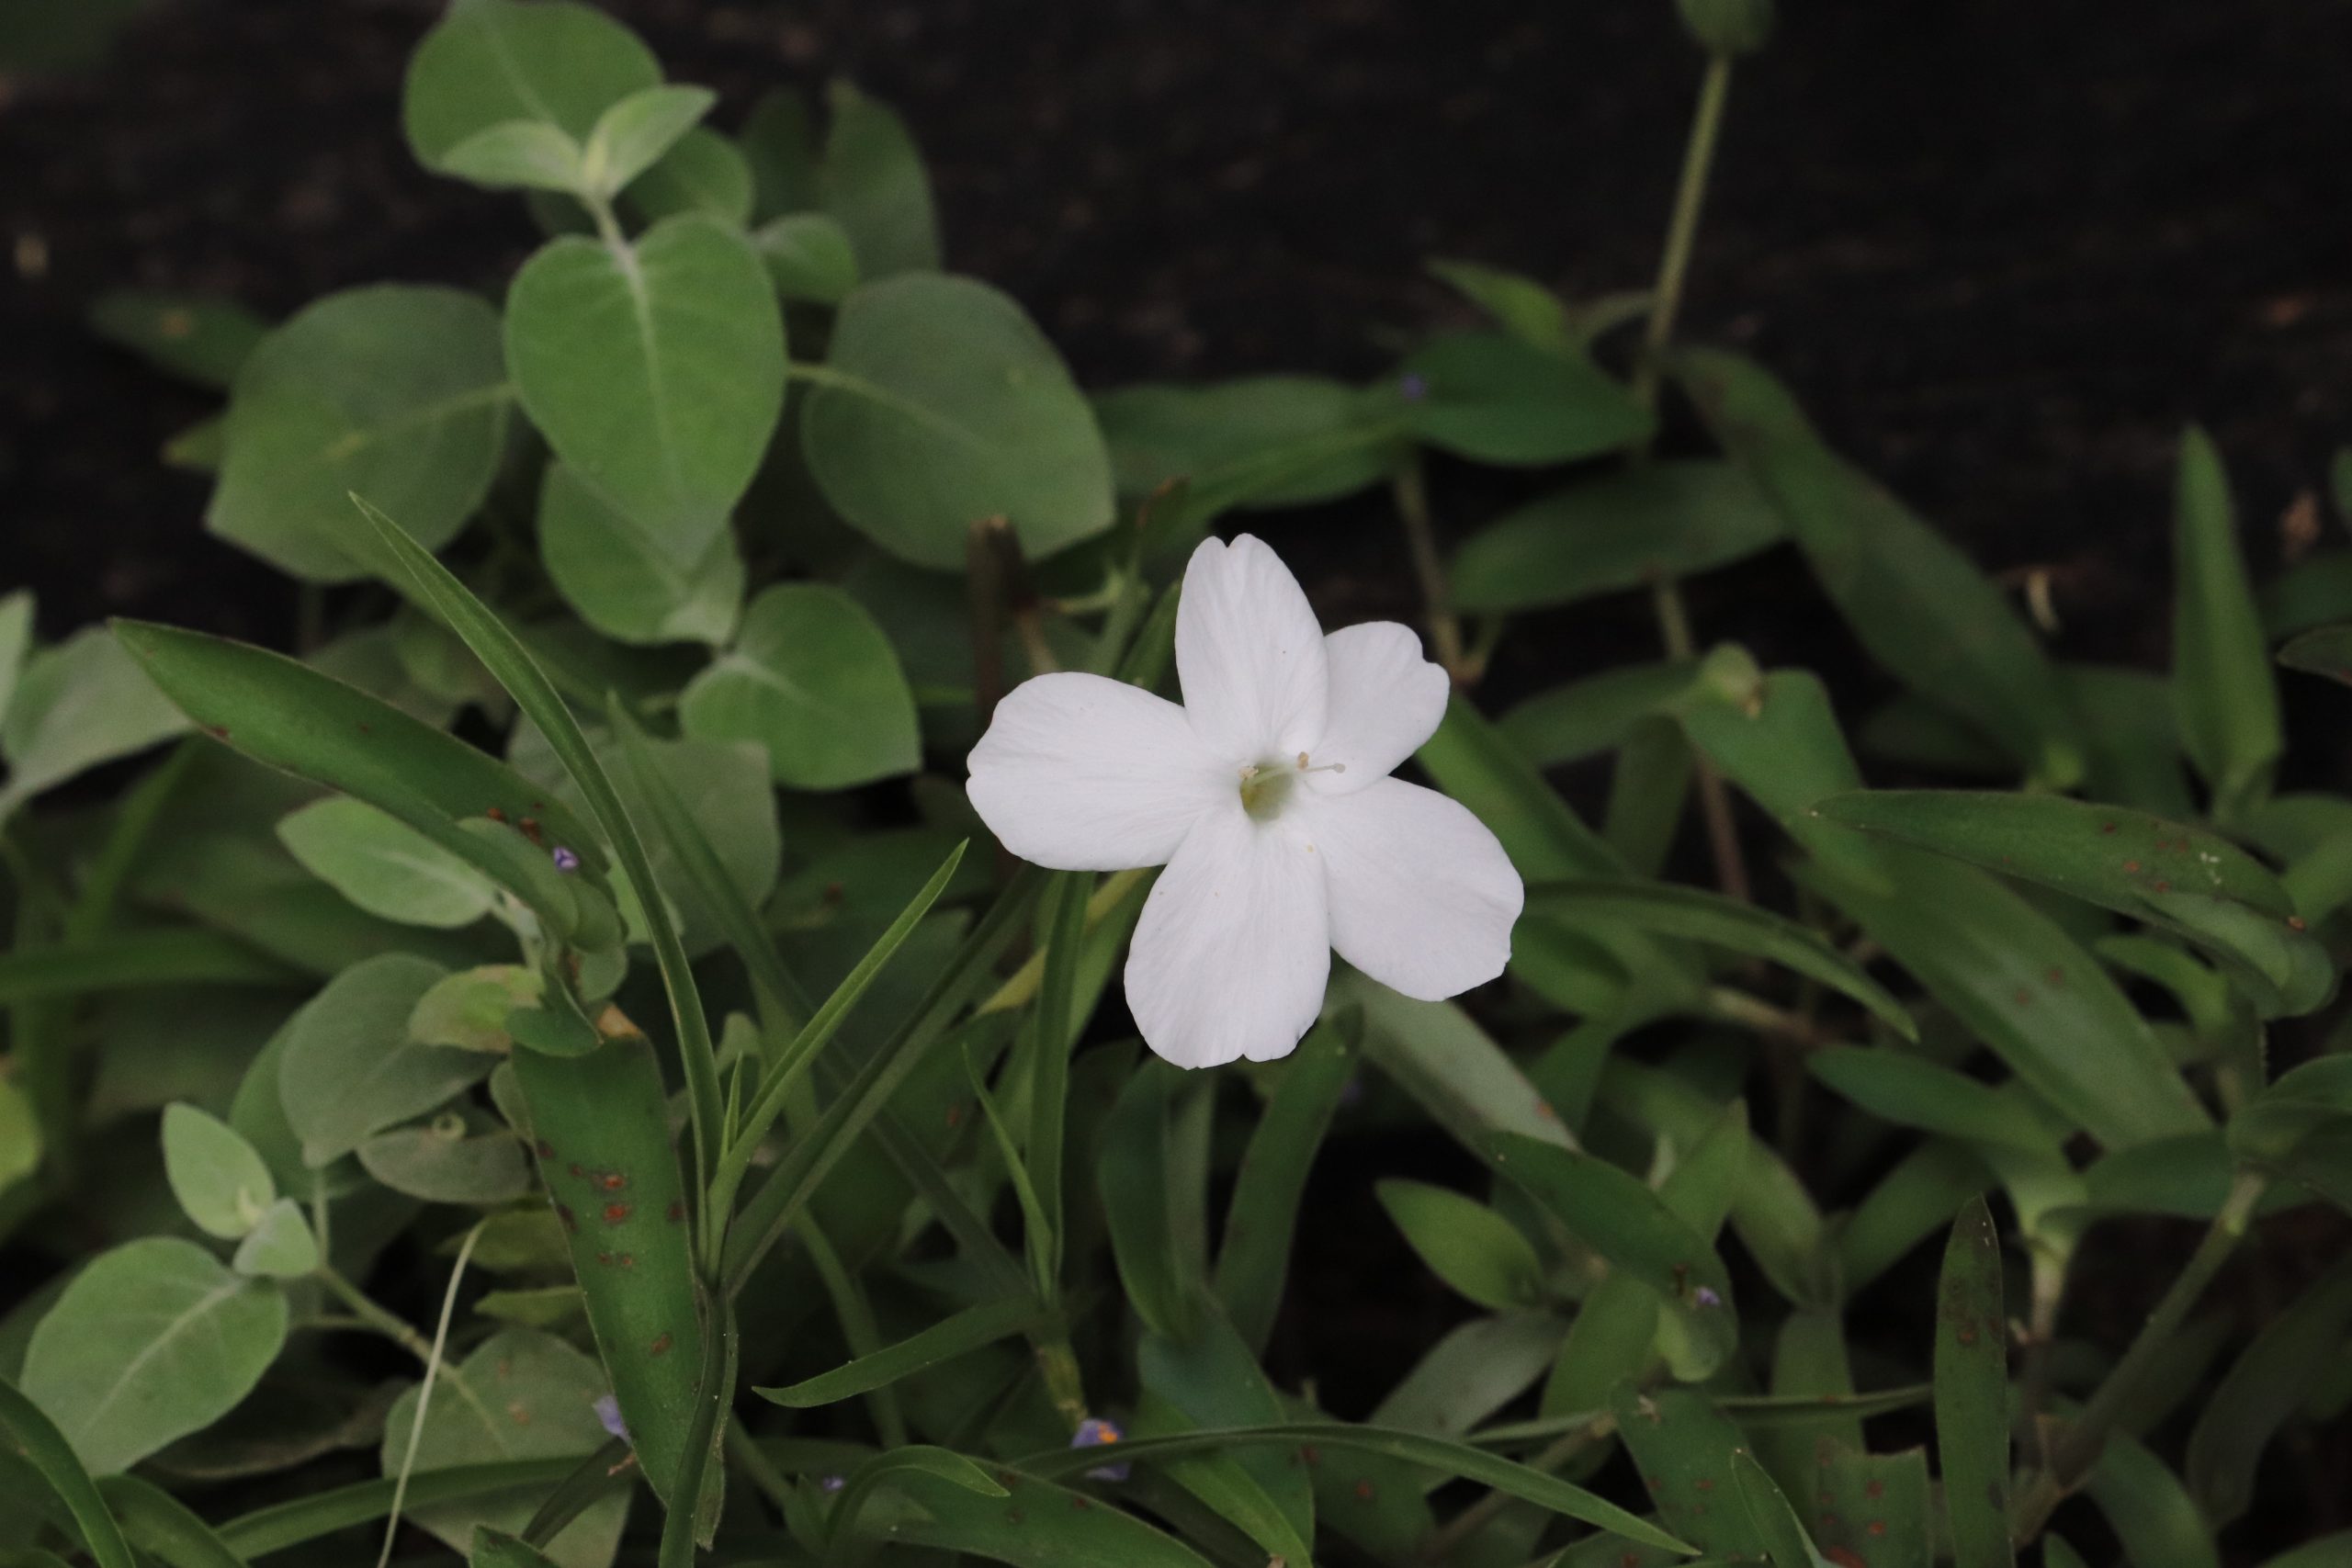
(1266, 786)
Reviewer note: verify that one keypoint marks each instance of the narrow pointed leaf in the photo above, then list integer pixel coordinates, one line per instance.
(1971, 1392)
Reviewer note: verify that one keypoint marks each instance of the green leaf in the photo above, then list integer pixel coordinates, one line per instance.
(196, 339)
(951, 1337)
(2323, 651)
(1449, 1065)
(32, 1433)
(515, 670)
(780, 144)
(1684, 1447)
(813, 682)
(384, 866)
(601, 1122)
(1262, 1218)
(1475, 1369)
(1519, 304)
(163, 1527)
(20, 1136)
(1973, 1392)
(1588, 717)
(873, 185)
(518, 1395)
(1912, 1091)
(2222, 681)
(396, 391)
(2152, 1514)
(1770, 1515)
(917, 1458)
(1257, 443)
(492, 61)
(219, 1178)
(705, 173)
(941, 404)
(468, 1010)
(349, 1068)
(1875, 1507)
(1439, 1454)
(1603, 536)
(2262, 1391)
(1034, 1525)
(1669, 911)
(1212, 1381)
(620, 579)
(16, 642)
(440, 1163)
(1919, 605)
(632, 135)
(154, 1339)
(1474, 1249)
(527, 154)
(2104, 854)
(1494, 399)
(2020, 984)
(73, 707)
(1138, 1205)
(280, 1524)
(655, 370)
(499, 1549)
(1633, 1228)
(809, 258)
(280, 1247)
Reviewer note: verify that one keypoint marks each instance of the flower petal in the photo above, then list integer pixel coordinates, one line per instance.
(1233, 949)
(1249, 654)
(1423, 898)
(1081, 772)
(1385, 700)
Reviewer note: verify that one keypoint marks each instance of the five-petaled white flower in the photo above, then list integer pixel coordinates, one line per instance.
(1267, 796)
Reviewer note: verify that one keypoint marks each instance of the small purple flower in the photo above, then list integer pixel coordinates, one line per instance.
(1707, 1297)
(1414, 386)
(566, 859)
(832, 1483)
(608, 1411)
(1094, 1433)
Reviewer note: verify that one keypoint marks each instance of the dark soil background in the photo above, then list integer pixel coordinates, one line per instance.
(2004, 249)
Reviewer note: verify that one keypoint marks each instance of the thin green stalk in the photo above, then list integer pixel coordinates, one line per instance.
(1551, 1459)
(1437, 592)
(1666, 303)
(2072, 1456)
(363, 1307)
(1682, 228)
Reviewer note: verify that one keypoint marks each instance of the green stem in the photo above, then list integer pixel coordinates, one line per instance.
(364, 1309)
(1682, 228)
(2072, 1456)
(1666, 303)
(1420, 536)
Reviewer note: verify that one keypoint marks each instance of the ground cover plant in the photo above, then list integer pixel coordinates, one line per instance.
(576, 1064)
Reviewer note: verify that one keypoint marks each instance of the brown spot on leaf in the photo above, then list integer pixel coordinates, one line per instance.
(615, 1212)
(530, 826)
(1310, 1453)
(2297, 923)
(1874, 1488)
(2055, 976)
(2163, 886)
(218, 731)
(1705, 1484)
(2024, 997)
(519, 1414)
(2130, 866)
(494, 814)
(1078, 1503)
(1876, 1526)
(661, 1343)
(1845, 1557)
(1363, 1491)
(677, 1212)
(2107, 827)
(546, 1150)
(611, 1180)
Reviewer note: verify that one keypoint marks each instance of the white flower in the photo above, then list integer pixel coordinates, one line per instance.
(1267, 796)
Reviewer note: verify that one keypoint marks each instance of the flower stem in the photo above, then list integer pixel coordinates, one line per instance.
(1420, 536)
(363, 1307)
(2073, 1453)
(1666, 303)
(1682, 228)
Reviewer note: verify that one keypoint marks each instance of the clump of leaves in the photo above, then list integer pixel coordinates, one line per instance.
(730, 1155)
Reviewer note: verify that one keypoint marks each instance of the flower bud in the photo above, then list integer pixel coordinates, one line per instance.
(1728, 27)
